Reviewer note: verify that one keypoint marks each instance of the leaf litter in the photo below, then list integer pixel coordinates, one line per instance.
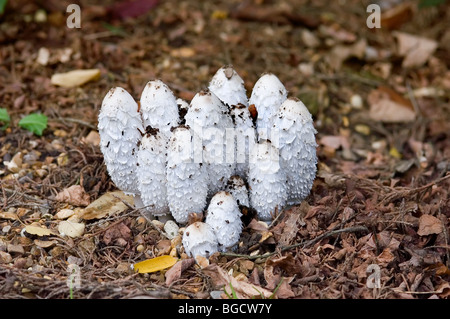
(380, 103)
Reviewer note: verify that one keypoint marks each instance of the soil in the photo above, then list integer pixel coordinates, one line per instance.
(380, 204)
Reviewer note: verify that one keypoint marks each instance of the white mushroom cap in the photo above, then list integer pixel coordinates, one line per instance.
(267, 182)
(151, 172)
(228, 86)
(297, 145)
(120, 127)
(209, 119)
(187, 180)
(237, 188)
(159, 107)
(224, 216)
(199, 239)
(267, 95)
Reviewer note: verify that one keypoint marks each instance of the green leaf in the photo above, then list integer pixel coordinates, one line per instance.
(4, 119)
(35, 123)
(430, 3)
(2, 6)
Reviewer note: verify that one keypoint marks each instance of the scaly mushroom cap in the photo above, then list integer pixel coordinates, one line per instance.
(237, 188)
(209, 119)
(187, 180)
(228, 86)
(245, 137)
(199, 239)
(151, 171)
(267, 182)
(297, 146)
(267, 95)
(224, 216)
(159, 107)
(120, 127)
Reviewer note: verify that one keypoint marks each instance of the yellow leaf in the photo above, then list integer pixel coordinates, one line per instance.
(155, 264)
(395, 153)
(39, 231)
(75, 78)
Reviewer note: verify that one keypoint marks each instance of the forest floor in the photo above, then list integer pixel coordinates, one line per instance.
(380, 99)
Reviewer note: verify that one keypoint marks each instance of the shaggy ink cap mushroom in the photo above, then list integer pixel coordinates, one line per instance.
(224, 216)
(267, 95)
(229, 86)
(209, 120)
(159, 107)
(120, 128)
(151, 172)
(297, 146)
(199, 239)
(187, 180)
(267, 181)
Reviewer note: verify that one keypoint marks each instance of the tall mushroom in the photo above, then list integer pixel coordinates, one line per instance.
(297, 145)
(228, 86)
(187, 179)
(120, 128)
(267, 95)
(267, 181)
(151, 172)
(209, 119)
(159, 107)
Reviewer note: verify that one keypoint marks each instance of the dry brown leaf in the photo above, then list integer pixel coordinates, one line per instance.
(396, 16)
(71, 229)
(416, 50)
(175, 272)
(340, 53)
(106, 205)
(244, 290)
(119, 231)
(388, 106)
(284, 290)
(429, 225)
(74, 195)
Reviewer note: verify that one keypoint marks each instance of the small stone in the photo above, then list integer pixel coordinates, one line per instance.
(5, 258)
(356, 101)
(140, 248)
(6, 229)
(171, 228)
(15, 249)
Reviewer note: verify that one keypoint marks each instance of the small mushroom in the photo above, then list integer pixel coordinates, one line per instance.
(120, 127)
(224, 216)
(199, 239)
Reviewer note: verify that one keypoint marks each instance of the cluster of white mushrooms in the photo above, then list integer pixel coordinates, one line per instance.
(213, 153)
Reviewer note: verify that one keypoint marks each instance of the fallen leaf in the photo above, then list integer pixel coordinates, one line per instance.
(340, 53)
(175, 272)
(75, 78)
(131, 9)
(284, 289)
(93, 138)
(396, 16)
(64, 213)
(71, 229)
(415, 50)
(116, 232)
(9, 215)
(154, 264)
(429, 225)
(74, 195)
(38, 231)
(45, 243)
(243, 289)
(388, 106)
(106, 205)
